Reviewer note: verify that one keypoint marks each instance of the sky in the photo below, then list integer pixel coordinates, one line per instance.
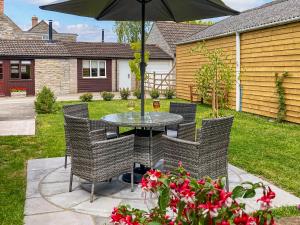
(88, 29)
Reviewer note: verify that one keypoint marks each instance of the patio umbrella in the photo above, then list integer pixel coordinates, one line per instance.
(143, 10)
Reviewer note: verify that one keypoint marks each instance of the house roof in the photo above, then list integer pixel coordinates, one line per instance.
(57, 49)
(175, 32)
(41, 27)
(110, 50)
(270, 14)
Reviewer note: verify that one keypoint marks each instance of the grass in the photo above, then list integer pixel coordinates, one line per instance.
(265, 148)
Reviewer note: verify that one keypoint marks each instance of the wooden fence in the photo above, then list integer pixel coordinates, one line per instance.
(160, 81)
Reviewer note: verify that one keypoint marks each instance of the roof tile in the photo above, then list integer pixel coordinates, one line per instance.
(274, 13)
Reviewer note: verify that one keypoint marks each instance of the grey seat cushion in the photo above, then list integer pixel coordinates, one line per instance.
(172, 133)
(111, 135)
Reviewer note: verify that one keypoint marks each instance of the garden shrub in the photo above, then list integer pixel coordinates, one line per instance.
(169, 93)
(107, 96)
(137, 93)
(125, 93)
(45, 101)
(154, 93)
(87, 97)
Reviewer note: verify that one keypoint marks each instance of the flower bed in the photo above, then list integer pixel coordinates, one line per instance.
(18, 92)
(183, 200)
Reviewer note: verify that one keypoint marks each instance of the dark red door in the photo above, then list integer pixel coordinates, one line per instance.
(2, 90)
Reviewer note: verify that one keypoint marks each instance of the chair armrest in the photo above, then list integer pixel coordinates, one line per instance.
(98, 135)
(115, 148)
(97, 124)
(176, 150)
(187, 131)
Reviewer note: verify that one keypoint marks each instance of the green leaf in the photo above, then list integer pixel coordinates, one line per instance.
(250, 193)
(238, 192)
(164, 199)
(154, 223)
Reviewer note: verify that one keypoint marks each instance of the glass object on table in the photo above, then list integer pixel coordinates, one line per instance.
(131, 106)
(156, 105)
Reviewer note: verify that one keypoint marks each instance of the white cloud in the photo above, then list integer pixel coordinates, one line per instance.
(39, 2)
(242, 5)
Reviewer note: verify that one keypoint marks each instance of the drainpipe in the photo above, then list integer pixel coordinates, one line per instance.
(238, 103)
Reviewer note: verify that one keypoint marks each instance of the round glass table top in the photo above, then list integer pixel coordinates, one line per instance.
(151, 119)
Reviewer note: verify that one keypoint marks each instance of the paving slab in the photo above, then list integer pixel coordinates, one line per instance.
(48, 197)
(17, 117)
(17, 127)
(38, 206)
(59, 218)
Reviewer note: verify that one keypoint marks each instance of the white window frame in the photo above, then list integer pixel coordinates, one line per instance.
(98, 69)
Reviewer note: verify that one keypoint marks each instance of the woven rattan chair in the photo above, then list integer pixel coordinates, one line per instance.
(81, 111)
(186, 130)
(97, 161)
(205, 157)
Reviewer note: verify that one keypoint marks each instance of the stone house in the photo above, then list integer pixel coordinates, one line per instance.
(68, 67)
(39, 30)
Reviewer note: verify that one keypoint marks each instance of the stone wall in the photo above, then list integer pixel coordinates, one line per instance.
(42, 36)
(8, 29)
(58, 74)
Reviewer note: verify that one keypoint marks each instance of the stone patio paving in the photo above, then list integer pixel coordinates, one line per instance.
(49, 202)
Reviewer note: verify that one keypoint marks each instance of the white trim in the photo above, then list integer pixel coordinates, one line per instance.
(98, 69)
(238, 73)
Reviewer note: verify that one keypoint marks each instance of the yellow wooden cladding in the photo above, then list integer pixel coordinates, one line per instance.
(189, 61)
(263, 53)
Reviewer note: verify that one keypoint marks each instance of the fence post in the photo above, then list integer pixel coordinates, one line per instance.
(154, 80)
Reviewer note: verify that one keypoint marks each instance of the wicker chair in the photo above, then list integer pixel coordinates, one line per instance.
(97, 161)
(186, 130)
(207, 156)
(81, 111)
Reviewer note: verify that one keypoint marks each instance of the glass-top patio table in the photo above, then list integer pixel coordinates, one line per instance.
(150, 120)
(147, 130)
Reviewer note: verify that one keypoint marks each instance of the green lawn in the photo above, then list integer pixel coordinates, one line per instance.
(267, 149)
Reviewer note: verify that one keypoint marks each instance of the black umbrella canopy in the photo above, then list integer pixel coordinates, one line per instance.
(130, 10)
(143, 10)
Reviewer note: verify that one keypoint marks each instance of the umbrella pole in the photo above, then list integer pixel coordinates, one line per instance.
(143, 64)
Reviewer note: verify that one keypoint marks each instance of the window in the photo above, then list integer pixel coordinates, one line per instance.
(20, 69)
(93, 69)
(1, 70)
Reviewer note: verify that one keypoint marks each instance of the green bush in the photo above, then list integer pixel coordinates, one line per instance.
(169, 93)
(125, 93)
(107, 96)
(137, 93)
(154, 93)
(45, 102)
(87, 97)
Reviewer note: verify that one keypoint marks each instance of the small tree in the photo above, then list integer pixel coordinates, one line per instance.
(135, 63)
(214, 79)
(45, 102)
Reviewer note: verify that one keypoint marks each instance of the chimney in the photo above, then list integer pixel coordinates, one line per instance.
(50, 31)
(102, 35)
(1, 7)
(34, 21)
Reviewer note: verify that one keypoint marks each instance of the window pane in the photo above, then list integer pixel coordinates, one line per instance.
(25, 71)
(102, 68)
(14, 69)
(94, 68)
(26, 62)
(86, 68)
